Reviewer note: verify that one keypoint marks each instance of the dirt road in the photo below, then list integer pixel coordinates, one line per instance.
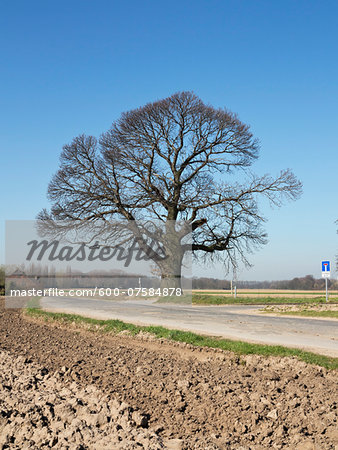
(181, 397)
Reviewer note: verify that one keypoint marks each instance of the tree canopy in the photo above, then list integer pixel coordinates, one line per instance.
(172, 160)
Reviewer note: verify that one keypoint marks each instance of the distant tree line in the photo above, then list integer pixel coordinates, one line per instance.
(210, 283)
(299, 283)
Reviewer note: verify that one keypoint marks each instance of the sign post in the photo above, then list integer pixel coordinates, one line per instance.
(326, 272)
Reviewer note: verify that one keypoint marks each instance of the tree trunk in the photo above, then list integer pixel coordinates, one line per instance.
(171, 270)
(170, 281)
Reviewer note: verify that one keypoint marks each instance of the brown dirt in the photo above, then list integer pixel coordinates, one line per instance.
(181, 397)
(39, 411)
(299, 308)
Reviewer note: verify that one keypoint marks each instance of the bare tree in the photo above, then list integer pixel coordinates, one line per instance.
(172, 160)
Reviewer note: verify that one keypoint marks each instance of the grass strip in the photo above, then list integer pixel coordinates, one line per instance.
(244, 292)
(204, 299)
(239, 347)
(33, 302)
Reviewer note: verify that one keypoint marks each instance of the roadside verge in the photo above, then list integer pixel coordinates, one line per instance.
(159, 332)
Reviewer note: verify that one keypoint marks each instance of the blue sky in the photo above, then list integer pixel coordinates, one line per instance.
(71, 67)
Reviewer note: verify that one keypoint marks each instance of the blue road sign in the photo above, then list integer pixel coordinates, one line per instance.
(325, 266)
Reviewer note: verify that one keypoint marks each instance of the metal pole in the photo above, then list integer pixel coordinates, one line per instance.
(235, 291)
(326, 288)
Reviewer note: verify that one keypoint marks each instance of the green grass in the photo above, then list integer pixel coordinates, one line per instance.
(33, 302)
(239, 347)
(204, 299)
(227, 292)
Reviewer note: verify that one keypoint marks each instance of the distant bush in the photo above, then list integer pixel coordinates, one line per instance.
(2, 280)
(210, 283)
